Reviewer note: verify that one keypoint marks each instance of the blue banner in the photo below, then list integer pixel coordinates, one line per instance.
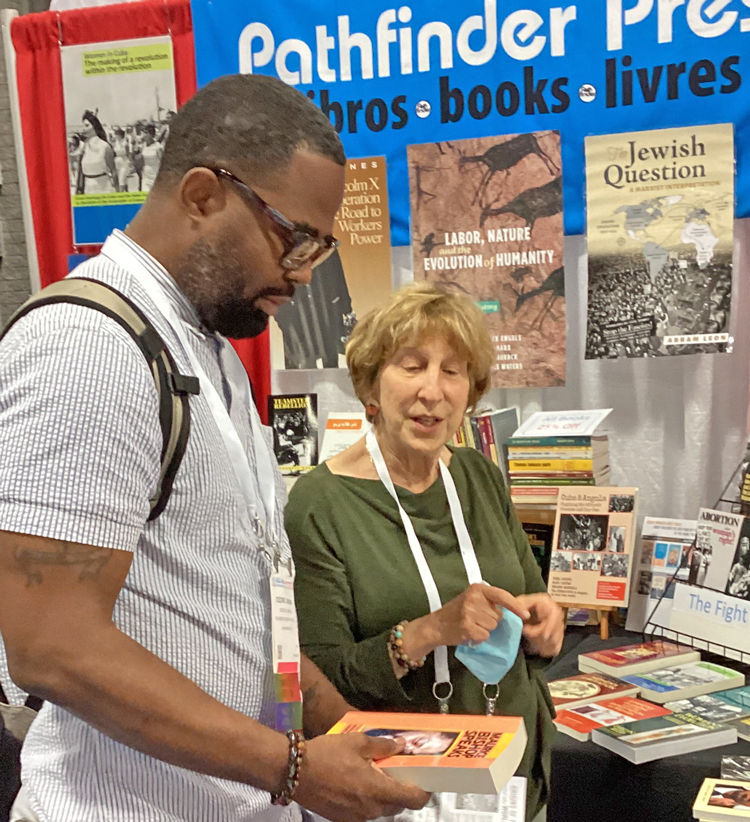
(391, 76)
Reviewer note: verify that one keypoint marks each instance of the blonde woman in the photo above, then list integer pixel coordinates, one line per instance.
(418, 365)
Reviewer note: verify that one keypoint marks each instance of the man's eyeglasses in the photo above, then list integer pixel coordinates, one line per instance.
(303, 247)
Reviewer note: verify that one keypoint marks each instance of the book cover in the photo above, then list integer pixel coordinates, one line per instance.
(721, 557)
(683, 681)
(572, 691)
(527, 466)
(592, 546)
(446, 752)
(343, 428)
(662, 736)
(540, 541)
(662, 554)
(710, 707)
(294, 420)
(720, 799)
(581, 721)
(739, 697)
(643, 656)
(584, 441)
(735, 767)
(660, 208)
(487, 220)
(311, 331)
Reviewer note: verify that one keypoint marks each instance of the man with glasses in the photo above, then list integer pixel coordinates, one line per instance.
(151, 640)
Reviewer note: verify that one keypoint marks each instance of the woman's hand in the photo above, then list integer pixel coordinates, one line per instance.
(543, 632)
(469, 617)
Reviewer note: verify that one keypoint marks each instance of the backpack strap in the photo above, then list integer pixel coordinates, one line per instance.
(172, 387)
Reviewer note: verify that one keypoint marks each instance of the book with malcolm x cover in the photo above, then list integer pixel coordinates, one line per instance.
(445, 752)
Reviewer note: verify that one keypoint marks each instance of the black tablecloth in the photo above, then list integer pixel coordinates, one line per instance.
(591, 784)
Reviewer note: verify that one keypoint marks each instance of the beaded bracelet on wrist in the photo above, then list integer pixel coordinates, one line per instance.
(296, 754)
(396, 648)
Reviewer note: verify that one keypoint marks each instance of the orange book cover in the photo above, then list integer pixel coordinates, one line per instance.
(446, 752)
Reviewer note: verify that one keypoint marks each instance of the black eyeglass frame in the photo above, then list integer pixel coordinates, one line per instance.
(303, 246)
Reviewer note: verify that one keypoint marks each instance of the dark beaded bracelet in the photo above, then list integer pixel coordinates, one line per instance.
(296, 754)
(396, 648)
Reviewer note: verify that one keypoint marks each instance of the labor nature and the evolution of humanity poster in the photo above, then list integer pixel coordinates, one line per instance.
(487, 220)
(660, 210)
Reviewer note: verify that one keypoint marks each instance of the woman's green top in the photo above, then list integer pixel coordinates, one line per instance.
(357, 578)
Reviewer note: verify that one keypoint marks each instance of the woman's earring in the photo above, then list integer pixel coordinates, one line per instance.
(372, 409)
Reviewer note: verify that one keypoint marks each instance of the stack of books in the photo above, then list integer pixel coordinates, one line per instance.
(539, 466)
(699, 705)
(488, 432)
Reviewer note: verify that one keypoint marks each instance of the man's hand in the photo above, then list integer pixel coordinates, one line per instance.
(543, 633)
(339, 782)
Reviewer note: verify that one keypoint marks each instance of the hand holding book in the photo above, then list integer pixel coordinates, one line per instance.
(361, 791)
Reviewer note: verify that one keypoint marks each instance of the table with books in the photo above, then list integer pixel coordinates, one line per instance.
(591, 782)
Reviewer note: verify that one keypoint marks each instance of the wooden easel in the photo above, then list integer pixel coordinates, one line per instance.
(602, 614)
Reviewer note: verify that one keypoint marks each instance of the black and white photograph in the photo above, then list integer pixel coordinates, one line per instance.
(644, 582)
(709, 707)
(484, 802)
(616, 539)
(738, 582)
(700, 561)
(647, 552)
(587, 561)
(116, 116)
(621, 503)
(735, 767)
(294, 420)
(561, 561)
(614, 565)
(583, 532)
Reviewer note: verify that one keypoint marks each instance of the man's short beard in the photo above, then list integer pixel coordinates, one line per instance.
(213, 278)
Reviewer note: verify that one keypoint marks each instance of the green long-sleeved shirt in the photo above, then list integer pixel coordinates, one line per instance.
(356, 578)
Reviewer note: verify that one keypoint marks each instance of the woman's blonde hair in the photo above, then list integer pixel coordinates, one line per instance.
(415, 313)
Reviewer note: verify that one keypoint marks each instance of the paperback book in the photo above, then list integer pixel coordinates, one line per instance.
(722, 799)
(582, 689)
(446, 752)
(592, 547)
(294, 420)
(685, 681)
(670, 735)
(636, 659)
(662, 555)
(721, 558)
(709, 706)
(581, 721)
(742, 726)
(735, 767)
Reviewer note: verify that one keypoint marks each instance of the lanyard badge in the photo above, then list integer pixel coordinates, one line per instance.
(286, 652)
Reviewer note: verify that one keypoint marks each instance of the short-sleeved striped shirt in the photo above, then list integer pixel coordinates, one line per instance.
(80, 442)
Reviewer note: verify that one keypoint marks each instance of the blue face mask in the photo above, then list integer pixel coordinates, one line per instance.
(491, 660)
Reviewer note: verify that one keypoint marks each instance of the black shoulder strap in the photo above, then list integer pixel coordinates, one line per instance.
(173, 388)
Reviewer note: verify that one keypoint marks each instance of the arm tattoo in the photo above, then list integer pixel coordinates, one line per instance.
(88, 558)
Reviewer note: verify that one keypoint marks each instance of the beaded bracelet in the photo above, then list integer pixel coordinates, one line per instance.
(296, 753)
(396, 648)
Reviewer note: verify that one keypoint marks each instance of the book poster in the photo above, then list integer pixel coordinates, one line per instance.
(593, 546)
(311, 331)
(662, 556)
(712, 602)
(119, 97)
(660, 210)
(487, 220)
(294, 421)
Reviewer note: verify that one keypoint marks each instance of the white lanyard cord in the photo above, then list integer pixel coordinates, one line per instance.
(252, 489)
(468, 555)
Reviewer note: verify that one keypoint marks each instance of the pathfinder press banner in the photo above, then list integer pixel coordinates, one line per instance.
(389, 76)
